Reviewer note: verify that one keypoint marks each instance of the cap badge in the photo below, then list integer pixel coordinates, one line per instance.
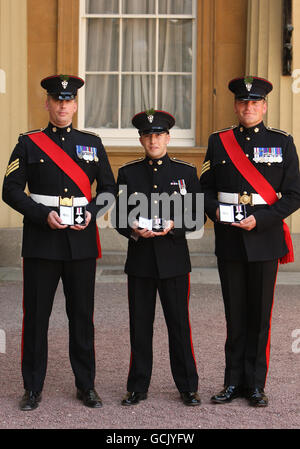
(248, 82)
(150, 115)
(64, 82)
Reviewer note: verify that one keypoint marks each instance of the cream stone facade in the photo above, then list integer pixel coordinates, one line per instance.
(234, 37)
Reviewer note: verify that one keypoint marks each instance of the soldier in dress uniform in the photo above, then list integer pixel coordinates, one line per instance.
(250, 178)
(158, 258)
(58, 164)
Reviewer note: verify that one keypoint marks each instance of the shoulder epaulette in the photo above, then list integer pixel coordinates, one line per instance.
(140, 159)
(32, 132)
(174, 159)
(280, 131)
(225, 129)
(87, 132)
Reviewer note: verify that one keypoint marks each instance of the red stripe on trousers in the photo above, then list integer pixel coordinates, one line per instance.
(23, 308)
(269, 336)
(188, 303)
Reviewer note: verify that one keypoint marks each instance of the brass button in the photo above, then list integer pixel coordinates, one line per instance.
(65, 189)
(248, 138)
(159, 162)
(54, 129)
(155, 169)
(155, 201)
(150, 162)
(256, 130)
(155, 186)
(241, 129)
(68, 130)
(247, 155)
(42, 160)
(223, 162)
(269, 163)
(62, 138)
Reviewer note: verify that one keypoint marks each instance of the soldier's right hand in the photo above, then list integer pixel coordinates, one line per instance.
(54, 221)
(145, 233)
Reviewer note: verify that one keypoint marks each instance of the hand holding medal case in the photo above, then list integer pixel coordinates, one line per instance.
(230, 213)
(71, 215)
(155, 224)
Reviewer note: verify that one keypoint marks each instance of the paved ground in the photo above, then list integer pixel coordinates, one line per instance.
(59, 408)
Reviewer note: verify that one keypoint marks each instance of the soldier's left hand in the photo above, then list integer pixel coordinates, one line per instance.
(248, 223)
(77, 227)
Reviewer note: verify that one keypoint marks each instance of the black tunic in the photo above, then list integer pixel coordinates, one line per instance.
(167, 256)
(266, 241)
(29, 165)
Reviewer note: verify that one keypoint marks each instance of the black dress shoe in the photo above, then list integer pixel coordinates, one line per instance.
(30, 400)
(257, 397)
(190, 398)
(227, 394)
(133, 398)
(89, 398)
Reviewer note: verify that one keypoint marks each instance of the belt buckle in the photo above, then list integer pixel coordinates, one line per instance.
(245, 199)
(66, 201)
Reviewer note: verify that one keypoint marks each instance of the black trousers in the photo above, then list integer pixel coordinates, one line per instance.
(248, 293)
(174, 296)
(41, 279)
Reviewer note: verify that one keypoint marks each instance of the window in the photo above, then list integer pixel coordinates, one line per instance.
(137, 55)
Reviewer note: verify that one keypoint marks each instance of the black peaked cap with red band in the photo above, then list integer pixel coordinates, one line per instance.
(153, 122)
(62, 87)
(250, 88)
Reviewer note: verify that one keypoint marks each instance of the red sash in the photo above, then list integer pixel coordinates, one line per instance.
(258, 182)
(68, 166)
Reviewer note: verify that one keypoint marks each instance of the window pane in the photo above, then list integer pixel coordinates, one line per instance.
(137, 95)
(138, 6)
(102, 45)
(175, 6)
(138, 45)
(102, 6)
(149, 66)
(175, 45)
(175, 96)
(101, 101)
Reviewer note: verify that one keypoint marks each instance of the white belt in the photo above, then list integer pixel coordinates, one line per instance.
(56, 201)
(254, 199)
